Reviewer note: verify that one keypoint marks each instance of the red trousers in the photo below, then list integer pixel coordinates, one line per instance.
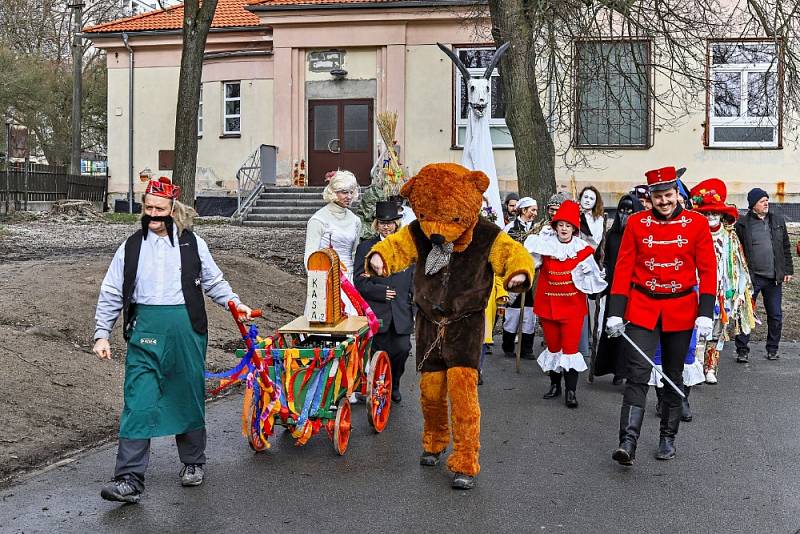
(563, 335)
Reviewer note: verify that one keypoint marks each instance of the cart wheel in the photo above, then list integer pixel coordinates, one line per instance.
(253, 439)
(341, 429)
(379, 390)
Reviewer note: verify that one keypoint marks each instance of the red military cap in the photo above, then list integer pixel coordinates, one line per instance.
(163, 187)
(661, 179)
(709, 197)
(569, 212)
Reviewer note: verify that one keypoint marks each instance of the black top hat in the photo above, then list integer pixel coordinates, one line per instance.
(387, 211)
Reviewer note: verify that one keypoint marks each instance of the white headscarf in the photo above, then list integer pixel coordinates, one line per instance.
(340, 181)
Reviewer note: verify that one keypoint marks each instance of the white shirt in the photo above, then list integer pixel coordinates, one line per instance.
(158, 280)
(336, 227)
(596, 227)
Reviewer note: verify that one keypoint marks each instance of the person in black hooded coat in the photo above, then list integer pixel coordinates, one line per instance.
(609, 351)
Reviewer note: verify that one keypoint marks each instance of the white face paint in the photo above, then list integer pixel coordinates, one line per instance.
(478, 95)
(714, 219)
(588, 200)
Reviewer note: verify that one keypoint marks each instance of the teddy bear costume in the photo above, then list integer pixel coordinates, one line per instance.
(457, 255)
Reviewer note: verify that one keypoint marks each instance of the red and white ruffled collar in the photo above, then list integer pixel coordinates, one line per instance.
(549, 245)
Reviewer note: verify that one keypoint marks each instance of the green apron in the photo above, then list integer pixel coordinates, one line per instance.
(164, 375)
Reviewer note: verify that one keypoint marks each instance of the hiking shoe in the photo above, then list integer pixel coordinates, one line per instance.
(463, 482)
(742, 356)
(121, 490)
(430, 459)
(191, 475)
(772, 356)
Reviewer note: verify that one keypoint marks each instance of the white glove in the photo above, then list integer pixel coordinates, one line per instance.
(585, 267)
(603, 274)
(615, 327)
(703, 326)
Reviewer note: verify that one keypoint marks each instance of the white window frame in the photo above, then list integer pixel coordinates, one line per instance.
(200, 113)
(743, 120)
(226, 116)
(462, 123)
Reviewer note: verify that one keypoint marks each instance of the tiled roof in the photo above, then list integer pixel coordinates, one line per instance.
(315, 2)
(299, 4)
(229, 14)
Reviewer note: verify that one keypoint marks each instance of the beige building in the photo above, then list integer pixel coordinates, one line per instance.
(309, 77)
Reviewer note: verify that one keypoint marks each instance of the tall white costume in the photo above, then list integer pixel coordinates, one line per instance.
(478, 153)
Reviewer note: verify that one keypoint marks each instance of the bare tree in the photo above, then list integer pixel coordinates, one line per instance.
(35, 89)
(197, 20)
(586, 76)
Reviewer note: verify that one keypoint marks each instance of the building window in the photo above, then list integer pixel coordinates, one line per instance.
(200, 114)
(613, 94)
(744, 95)
(476, 60)
(232, 108)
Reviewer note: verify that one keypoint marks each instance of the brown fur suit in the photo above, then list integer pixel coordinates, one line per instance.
(450, 320)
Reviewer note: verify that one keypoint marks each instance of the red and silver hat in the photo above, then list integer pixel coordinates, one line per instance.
(662, 179)
(163, 187)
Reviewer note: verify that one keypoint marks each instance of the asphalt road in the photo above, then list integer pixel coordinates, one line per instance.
(544, 469)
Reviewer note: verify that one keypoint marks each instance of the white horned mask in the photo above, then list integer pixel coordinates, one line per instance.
(477, 88)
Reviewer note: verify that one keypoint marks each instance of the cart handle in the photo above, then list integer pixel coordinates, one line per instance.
(240, 318)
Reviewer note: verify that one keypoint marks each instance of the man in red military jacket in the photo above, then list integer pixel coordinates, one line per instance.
(664, 252)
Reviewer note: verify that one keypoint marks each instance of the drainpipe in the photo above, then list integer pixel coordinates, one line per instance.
(130, 121)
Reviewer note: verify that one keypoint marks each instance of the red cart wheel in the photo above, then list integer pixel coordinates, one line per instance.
(341, 429)
(253, 439)
(379, 390)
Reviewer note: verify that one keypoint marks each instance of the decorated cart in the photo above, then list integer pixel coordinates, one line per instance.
(303, 376)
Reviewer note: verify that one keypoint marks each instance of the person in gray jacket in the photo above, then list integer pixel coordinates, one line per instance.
(766, 246)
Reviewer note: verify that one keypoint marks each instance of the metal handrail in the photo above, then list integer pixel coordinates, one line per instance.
(248, 184)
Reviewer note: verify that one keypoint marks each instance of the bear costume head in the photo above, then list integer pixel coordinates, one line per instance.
(447, 198)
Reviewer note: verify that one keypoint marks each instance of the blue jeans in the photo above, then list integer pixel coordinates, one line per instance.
(772, 292)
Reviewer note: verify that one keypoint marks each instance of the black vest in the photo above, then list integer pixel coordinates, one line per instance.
(190, 281)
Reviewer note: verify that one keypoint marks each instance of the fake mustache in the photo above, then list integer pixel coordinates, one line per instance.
(166, 219)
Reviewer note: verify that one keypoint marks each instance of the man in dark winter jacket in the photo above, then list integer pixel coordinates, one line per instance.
(766, 246)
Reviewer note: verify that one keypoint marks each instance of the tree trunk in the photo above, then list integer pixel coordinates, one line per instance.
(196, 23)
(525, 117)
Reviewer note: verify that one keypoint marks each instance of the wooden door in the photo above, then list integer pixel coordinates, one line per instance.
(340, 136)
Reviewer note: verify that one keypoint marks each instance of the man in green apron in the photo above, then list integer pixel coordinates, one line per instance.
(157, 280)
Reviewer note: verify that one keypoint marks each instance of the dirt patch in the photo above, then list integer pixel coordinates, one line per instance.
(57, 396)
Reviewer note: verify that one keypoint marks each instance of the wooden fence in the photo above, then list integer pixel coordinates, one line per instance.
(48, 183)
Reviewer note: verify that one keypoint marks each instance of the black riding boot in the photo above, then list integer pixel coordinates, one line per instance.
(571, 384)
(527, 347)
(630, 425)
(555, 386)
(686, 410)
(508, 343)
(670, 420)
(659, 400)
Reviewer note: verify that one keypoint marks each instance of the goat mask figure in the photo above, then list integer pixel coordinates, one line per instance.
(477, 88)
(478, 154)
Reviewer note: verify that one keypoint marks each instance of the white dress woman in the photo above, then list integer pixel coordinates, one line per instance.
(335, 226)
